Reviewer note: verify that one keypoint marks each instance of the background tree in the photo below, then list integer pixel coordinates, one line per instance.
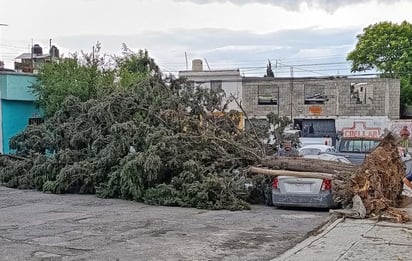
(387, 48)
(134, 67)
(78, 75)
(92, 76)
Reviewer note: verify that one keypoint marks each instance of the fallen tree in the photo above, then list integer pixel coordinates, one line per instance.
(129, 132)
(163, 142)
(374, 187)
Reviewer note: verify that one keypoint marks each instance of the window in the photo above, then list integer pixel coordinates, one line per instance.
(314, 94)
(268, 94)
(363, 146)
(216, 86)
(260, 124)
(190, 84)
(35, 120)
(361, 93)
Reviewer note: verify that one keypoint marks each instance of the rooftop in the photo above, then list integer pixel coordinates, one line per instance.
(232, 72)
(30, 56)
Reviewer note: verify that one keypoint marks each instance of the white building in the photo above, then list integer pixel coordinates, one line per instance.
(229, 81)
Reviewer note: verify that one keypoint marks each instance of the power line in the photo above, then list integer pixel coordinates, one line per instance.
(322, 64)
(249, 61)
(13, 47)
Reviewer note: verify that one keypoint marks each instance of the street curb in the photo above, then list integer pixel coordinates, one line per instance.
(307, 242)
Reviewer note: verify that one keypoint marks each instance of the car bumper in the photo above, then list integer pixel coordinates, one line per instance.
(321, 200)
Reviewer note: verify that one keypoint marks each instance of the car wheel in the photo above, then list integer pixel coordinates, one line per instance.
(268, 196)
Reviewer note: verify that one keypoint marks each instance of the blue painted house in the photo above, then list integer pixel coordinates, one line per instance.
(17, 105)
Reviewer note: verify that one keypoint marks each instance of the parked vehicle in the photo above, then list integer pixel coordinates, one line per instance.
(305, 192)
(316, 149)
(329, 157)
(355, 149)
(306, 141)
(302, 192)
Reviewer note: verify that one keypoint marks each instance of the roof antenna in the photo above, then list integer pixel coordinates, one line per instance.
(207, 64)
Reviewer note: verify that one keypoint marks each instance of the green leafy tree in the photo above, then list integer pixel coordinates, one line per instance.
(387, 48)
(76, 76)
(92, 76)
(132, 68)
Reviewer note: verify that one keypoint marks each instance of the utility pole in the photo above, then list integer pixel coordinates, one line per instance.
(0, 38)
(291, 93)
(207, 64)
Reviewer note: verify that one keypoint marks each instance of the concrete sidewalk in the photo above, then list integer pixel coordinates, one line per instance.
(356, 239)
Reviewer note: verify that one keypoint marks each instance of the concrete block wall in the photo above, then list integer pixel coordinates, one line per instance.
(250, 97)
(383, 97)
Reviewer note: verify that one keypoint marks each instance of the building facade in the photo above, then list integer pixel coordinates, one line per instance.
(326, 106)
(229, 81)
(30, 62)
(17, 105)
(319, 106)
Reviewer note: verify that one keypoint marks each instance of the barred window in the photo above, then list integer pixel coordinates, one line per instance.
(35, 120)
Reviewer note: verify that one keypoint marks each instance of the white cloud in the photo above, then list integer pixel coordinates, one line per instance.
(231, 31)
(227, 48)
(294, 5)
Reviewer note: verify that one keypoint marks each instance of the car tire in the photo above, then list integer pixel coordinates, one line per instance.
(268, 197)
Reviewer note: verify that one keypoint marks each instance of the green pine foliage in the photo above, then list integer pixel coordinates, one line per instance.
(148, 144)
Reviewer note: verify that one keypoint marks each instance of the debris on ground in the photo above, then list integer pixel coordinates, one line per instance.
(358, 210)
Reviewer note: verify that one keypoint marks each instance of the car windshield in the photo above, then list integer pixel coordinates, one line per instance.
(309, 151)
(359, 145)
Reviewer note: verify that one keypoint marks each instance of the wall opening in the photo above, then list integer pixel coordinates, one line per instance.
(314, 94)
(361, 93)
(268, 94)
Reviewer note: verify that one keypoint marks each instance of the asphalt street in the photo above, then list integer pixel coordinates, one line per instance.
(39, 226)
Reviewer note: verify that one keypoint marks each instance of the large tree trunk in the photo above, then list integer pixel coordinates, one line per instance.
(309, 165)
(297, 174)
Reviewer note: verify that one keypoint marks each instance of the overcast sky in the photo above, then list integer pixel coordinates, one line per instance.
(313, 36)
